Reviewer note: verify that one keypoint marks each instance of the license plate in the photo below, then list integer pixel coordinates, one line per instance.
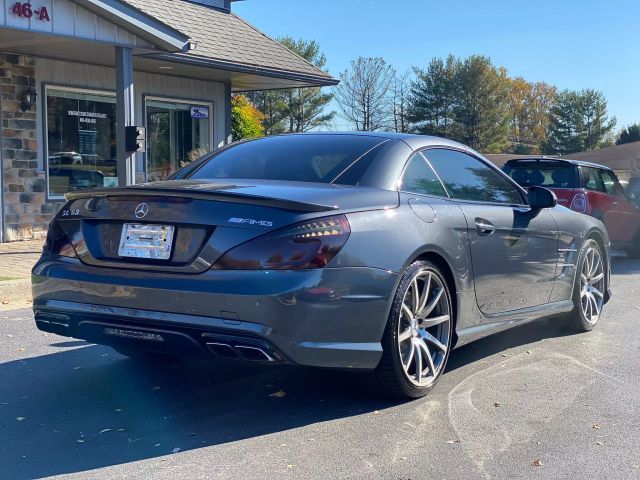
(146, 241)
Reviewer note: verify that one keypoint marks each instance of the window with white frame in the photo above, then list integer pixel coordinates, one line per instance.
(80, 140)
(178, 132)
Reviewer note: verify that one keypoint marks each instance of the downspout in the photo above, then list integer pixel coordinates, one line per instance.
(227, 113)
(2, 217)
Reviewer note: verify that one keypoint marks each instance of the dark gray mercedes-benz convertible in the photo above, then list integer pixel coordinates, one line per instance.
(366, 251)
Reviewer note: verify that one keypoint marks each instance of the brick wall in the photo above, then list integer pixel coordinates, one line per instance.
(26, 211)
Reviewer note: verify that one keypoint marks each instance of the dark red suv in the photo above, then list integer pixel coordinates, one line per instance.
(586, 188)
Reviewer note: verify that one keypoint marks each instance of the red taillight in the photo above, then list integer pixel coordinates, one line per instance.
(57, 242)
(305, 245)
(579, 203)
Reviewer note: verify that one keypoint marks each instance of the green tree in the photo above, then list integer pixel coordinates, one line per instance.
(273, 105)
(433, 97)
(246, 119)
(578, 122)
(629, 134)
(306, 106)
(565, 124)
(481, 109)
(297, 109)
(463, 100)
(597, 124)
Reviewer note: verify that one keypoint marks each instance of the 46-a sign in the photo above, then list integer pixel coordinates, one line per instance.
(25, 10)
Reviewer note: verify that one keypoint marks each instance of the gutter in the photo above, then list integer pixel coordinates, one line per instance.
(212, 63)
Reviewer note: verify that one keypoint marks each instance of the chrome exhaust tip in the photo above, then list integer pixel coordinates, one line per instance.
(254, 354)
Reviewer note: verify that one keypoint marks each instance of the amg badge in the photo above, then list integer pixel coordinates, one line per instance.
(251, 221)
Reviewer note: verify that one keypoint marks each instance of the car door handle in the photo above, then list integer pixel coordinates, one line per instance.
(615, 203)
(484, 227)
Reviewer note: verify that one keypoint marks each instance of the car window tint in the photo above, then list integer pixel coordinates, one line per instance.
(467, 178)
(419, 178)
(301, 158)
(592, 180)
(611, 183)
(527, 174)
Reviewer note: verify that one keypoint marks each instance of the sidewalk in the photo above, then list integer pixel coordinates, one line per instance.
(16, 260)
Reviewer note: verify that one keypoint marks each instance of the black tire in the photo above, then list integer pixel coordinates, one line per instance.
(576, 319)
(390, 377)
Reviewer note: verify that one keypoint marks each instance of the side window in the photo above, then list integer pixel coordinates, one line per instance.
(611, 183)
(467, 178)
(591, 180)
(419, 178)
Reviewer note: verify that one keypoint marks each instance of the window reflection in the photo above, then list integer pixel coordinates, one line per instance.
(81, 140)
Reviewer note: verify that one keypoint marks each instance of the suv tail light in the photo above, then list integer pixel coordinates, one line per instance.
(305, 245)
(579, 203)
(57, 242)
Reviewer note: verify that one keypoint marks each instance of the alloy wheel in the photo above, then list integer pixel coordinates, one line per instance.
(592, 285)
(424, 328)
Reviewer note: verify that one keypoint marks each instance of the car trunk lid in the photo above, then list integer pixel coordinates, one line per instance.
(205, 218)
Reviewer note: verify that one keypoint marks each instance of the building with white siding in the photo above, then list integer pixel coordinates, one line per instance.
(75, 73)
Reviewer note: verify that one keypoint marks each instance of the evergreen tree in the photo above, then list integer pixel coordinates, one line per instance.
(297, 109)
(566, 124)
(463, 100)
(597, 125)
(481, 109)
(433, 96)
(578, 122)
(629, 134)
(305, 106)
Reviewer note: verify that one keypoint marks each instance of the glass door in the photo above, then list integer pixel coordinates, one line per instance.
(177, 133)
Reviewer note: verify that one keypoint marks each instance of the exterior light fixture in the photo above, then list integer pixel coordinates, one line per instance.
(28, 99)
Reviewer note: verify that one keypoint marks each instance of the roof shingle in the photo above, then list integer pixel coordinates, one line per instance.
(224, 36)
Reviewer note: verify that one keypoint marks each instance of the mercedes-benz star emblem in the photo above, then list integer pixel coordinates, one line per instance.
(142, 210)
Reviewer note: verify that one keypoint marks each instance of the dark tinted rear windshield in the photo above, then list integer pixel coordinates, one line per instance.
(303, 158)
(542, 174)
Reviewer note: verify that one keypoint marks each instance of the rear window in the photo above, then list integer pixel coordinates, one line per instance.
(303, 158)
(544, 175)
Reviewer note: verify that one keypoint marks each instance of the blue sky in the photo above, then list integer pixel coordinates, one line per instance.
(571, 44)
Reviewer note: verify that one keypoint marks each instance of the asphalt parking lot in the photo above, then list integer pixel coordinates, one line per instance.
(533, 402)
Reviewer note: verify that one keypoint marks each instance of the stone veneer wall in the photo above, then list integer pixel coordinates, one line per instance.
(26, 210)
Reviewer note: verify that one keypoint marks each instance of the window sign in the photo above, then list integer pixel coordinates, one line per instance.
(199, 112)
(81, 140)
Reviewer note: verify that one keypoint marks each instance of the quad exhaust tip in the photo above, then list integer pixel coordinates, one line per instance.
(239, 352)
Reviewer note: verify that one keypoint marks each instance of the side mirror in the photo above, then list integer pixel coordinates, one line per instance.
(540, 197)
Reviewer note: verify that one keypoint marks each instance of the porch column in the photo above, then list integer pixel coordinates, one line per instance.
(227, 113)
(125, 117)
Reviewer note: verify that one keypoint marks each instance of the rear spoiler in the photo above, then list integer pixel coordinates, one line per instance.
(540, 160)
(220, 196)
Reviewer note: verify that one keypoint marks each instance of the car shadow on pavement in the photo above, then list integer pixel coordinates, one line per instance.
(520, 336)
(625, 266)
(89, 407)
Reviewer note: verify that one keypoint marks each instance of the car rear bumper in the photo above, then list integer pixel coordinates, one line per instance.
(332, 317)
